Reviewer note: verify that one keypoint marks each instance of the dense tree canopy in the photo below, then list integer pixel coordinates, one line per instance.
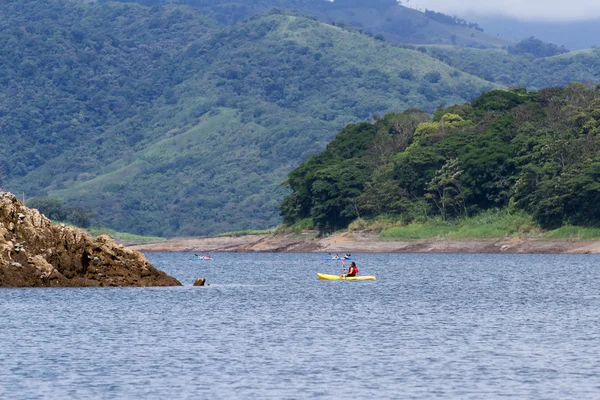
(534, 151)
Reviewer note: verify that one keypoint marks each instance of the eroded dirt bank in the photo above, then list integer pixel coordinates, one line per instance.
(34, 253)
(352, 242)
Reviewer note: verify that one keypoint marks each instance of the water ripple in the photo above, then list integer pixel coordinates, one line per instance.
(431, 326)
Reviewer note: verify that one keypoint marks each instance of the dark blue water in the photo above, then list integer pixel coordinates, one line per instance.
(431, 326)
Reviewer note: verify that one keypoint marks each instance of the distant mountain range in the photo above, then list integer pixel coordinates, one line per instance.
(164, 121)
(573, 35)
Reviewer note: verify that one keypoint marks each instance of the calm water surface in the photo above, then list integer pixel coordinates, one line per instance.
(431, 326)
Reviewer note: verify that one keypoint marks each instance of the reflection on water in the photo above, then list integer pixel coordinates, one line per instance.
(431, 326)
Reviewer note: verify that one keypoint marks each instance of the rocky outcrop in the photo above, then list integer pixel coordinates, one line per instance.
(36, 253)
(200, 282)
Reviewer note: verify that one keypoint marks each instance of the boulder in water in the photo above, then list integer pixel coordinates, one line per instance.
(200, 282)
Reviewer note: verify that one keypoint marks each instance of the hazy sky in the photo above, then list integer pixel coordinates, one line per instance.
(545, 10)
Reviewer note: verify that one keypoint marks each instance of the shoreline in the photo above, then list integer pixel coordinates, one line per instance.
(361, 242)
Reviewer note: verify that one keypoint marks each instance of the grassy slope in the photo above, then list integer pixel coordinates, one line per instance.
(124, 237)
(223, 168)
(353, 50)
(491, 224)
(488, 225)
(573, 232)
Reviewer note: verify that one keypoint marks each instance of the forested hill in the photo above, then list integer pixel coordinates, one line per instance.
(162, 122)
(72, 73)
(531, 63)
(387, 18)
(538, 152)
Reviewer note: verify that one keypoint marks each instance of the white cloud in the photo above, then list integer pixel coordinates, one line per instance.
(532, 10)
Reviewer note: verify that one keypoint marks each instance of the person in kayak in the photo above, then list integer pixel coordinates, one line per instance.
(352, 270)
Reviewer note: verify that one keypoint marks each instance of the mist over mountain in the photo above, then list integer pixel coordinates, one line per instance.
(574, 35)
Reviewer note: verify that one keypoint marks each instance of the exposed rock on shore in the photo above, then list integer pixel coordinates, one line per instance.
(36, 253)
(367, 242)
(200, 282)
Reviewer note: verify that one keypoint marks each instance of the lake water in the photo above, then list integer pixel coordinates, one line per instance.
(431, 326)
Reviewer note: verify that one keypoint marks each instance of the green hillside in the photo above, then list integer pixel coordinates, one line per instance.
(535, 153)
(160, 121)
(258, 98)
(524, 70)
(73, 74)
(398, 24)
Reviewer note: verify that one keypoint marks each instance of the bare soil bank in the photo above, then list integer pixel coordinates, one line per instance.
(353, 242)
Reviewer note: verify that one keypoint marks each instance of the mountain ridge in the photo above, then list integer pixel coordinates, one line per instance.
(284, 155)
(395, 22)
(185, 126)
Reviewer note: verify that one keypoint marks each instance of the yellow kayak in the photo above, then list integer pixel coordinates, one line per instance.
(326, 277)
